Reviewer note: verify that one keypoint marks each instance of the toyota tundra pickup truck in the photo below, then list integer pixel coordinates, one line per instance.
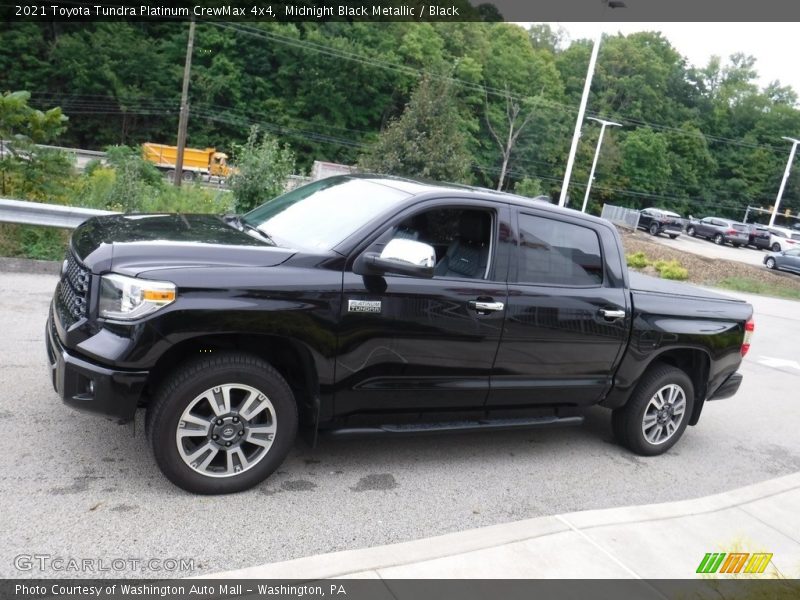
(376, 306)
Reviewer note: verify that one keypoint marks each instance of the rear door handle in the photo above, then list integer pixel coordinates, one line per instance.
(612, 314)
(482, 306)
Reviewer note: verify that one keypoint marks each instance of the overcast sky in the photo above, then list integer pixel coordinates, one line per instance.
(775, 45)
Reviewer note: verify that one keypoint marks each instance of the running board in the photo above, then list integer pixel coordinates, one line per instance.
(451, 427)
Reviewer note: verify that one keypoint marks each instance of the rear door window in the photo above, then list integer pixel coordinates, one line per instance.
(553, 252)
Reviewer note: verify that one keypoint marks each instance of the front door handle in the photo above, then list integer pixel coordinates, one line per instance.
(483, 306)
(612, 314)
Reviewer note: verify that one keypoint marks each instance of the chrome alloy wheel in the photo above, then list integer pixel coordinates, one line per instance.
(663, 414)
(226, 430)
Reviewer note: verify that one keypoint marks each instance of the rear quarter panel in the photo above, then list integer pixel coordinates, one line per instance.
(668, 323)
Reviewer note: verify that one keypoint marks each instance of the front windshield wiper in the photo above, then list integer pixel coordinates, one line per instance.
(243, 225)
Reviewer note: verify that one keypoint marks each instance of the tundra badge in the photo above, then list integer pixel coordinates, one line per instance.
(364, 306)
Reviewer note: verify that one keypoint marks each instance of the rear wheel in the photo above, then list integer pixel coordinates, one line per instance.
(691, 231)
(223, 424)
(672, 236)
(654, 229)
(776, 247)
(657, 413)
(770, 262)
(737, 245)
(719, 240)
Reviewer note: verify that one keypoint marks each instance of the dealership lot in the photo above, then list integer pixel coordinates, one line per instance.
(77, 486)
(709, 249)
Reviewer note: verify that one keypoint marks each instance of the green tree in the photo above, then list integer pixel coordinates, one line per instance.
(263, 166)
(426, 140)
(645, 161)
(34, 172)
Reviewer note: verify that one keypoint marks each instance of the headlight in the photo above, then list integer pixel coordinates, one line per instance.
(130, 298)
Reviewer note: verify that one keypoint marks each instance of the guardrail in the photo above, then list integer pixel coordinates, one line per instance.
(47, 215)
(625, 217)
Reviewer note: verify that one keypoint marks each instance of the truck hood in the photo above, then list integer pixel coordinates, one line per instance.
(131, 244)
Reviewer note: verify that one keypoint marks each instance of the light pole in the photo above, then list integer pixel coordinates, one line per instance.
(576, 135)
(587, 85)
(785, 177)
(603, 124)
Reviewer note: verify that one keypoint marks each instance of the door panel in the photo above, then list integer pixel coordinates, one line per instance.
(558, 346)
(428, 347)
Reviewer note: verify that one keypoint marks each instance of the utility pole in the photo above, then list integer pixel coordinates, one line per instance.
(603, 125)
(183, 120)
(785, 177)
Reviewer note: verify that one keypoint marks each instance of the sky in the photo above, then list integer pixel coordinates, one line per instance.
(774, 45)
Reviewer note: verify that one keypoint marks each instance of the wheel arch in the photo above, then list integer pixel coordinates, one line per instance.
(695, 362)
(291, 358)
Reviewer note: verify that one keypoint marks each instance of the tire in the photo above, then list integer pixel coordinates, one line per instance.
(628, 422)
(654, 229)
(770, 263)
(257, 398)
(719, 240)
(187, 176)
(737, 245)
(170, 175)
(672, 236)
(776, 247)
(691, 231)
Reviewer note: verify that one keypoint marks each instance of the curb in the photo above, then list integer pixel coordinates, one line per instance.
(360, 562)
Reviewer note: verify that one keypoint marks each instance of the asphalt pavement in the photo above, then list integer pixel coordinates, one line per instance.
(709, 249)
(78, 486)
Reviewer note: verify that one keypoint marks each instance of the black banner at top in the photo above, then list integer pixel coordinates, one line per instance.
(405, 10)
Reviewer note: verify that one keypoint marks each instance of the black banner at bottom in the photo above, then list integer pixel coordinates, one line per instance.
(398, 589)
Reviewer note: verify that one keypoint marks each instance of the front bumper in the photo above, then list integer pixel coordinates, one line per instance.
(87, 386)
(728, 388)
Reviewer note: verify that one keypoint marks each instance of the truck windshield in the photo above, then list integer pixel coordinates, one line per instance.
(320, 215)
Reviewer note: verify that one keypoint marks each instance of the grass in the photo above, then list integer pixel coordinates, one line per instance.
(751, 286)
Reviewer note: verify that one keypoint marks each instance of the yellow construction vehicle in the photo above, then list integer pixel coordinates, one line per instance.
(197, 163)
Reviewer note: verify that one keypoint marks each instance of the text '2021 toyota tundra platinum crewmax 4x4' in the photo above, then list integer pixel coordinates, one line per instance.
(366, 305)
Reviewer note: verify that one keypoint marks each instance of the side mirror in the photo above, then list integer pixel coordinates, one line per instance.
(400, 256)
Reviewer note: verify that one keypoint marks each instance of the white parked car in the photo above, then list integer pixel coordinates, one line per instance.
(781, 239)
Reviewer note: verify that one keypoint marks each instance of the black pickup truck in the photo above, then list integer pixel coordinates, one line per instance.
(366, 305)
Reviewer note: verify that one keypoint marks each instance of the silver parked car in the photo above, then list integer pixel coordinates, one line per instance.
(720, 231)
(788, 260)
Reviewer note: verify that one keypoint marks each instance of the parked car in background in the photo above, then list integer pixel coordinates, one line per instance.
(720, 231)
(656, 220)
(788, 260)
(782, 239)
(759, 237)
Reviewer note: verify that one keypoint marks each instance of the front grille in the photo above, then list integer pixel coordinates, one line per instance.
(74, 288)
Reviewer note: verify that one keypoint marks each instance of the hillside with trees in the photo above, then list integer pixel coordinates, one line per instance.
(491, 104)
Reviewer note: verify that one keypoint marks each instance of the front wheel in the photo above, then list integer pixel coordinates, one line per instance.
(691, 231)
(223, 424)
(653, 229)
(672, 236)
(657, 413)
(770, 262)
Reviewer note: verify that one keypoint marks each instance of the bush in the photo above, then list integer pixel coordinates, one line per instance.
(637, 260)
(671, 270)
(528, 187)
(262, 167)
